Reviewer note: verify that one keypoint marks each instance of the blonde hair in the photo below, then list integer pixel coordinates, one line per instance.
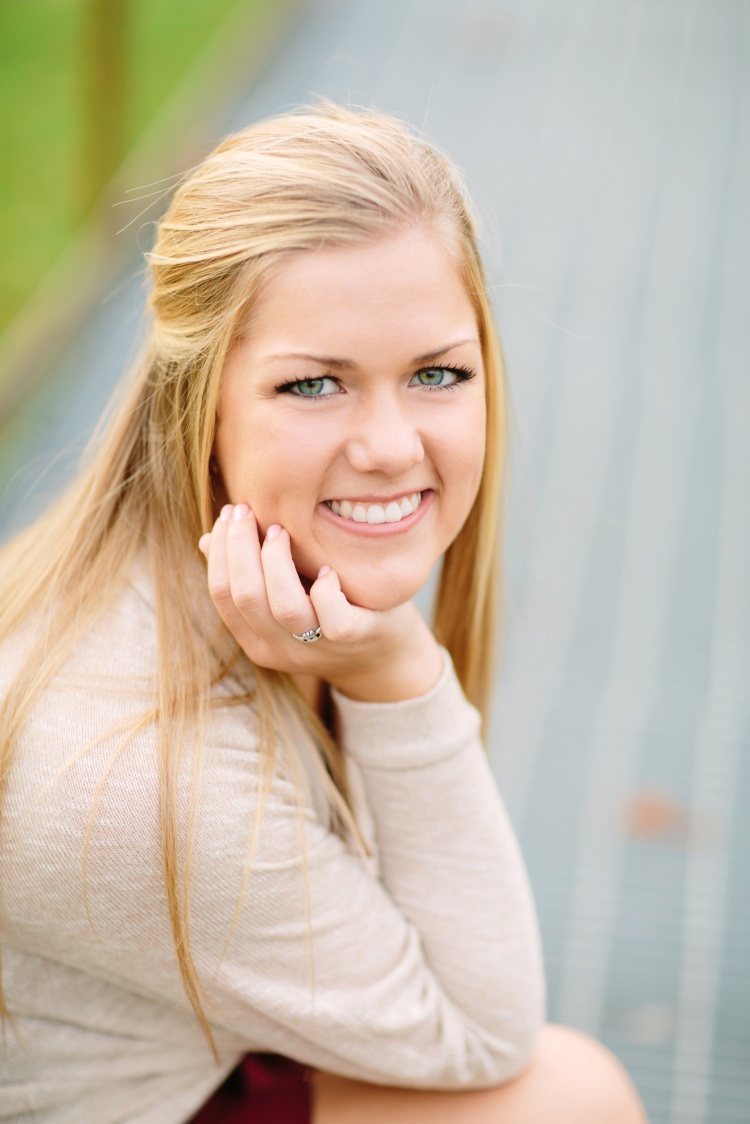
(322, 176)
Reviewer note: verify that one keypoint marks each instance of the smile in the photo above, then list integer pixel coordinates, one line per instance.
(392, 512)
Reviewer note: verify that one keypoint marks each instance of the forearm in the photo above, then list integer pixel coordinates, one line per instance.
(448, 855)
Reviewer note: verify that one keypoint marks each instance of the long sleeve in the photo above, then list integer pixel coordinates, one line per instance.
(450, 861)
(429, 976)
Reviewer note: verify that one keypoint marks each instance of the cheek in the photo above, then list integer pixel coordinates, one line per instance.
(275, 466)
(246, 461)
(460, 453)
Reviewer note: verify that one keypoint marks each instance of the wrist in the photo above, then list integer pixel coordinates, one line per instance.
(410, 672)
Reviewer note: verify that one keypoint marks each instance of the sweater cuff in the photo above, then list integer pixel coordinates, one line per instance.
(412, 733)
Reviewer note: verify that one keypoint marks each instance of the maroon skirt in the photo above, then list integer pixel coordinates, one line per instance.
(264, 1089)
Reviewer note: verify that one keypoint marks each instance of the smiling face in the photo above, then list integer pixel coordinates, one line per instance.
(353, 412)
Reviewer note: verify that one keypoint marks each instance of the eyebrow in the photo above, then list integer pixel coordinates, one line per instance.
(348, 364)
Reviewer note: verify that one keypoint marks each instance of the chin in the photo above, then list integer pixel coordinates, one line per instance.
(382, 592)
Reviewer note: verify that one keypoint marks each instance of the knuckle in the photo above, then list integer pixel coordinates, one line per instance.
(336, 632)
(287, 615)
(221, 594)
(248, 600)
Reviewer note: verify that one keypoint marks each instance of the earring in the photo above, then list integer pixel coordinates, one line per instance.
(213, 465)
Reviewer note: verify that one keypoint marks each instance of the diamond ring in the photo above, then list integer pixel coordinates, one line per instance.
(308, 637)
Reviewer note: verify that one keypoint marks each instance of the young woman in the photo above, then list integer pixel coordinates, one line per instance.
(245, 806)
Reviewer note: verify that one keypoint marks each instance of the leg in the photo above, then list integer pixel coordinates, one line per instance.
(571, 1080)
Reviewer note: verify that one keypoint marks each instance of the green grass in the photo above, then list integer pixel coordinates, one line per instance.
(42, 125)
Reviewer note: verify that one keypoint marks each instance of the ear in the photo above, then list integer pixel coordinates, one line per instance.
(219, 494)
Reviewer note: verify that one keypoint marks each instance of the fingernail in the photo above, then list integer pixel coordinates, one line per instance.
(323, 571)
(226, 512)
(273, 531)
(241, 511)
(203, 542)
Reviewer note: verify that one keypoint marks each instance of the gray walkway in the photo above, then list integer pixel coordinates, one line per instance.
(609, 145)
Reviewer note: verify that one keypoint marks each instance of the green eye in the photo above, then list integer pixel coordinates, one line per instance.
(309, 387)
(312, 388)
(436, 376)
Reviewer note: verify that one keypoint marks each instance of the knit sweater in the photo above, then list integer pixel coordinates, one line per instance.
(423, 973)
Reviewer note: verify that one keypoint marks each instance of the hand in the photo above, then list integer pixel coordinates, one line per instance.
(368, 655)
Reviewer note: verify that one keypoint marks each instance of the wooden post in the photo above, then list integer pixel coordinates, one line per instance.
(105, 78)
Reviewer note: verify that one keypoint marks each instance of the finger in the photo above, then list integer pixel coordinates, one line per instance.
(289, 603)
(219, 583)
(339, 620)
(246, 579)
(218, 573)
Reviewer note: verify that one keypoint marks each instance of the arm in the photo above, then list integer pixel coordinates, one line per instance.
(431, 977)
(449, 858)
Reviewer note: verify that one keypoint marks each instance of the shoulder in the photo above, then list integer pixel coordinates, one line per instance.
(102, 700)
(120, 640)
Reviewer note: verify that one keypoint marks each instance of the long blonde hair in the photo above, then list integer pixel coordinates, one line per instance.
(322, 176)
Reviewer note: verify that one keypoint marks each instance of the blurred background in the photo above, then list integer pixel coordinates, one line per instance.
(607, 145)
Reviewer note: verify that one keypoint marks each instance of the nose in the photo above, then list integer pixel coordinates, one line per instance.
(384, 437)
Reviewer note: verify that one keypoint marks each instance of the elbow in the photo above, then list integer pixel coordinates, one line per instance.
(523, 1017)
(509, 1051)
(518, 1054)
(497, 1064)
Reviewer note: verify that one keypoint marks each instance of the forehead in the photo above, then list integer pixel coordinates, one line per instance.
(404, 289)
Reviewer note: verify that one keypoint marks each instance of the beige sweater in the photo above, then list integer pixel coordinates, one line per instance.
(426, 974)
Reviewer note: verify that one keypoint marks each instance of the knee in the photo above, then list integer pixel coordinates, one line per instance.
(587, 1082)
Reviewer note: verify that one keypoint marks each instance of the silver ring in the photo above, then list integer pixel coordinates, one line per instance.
(308, 637)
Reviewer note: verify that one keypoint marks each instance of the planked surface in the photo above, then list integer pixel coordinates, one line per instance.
(607, 143)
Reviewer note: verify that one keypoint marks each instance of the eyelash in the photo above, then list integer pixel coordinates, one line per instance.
(464, 374)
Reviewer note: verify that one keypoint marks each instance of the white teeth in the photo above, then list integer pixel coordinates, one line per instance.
(393, 512)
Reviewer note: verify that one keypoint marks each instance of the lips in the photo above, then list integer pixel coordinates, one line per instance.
(392, 511)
